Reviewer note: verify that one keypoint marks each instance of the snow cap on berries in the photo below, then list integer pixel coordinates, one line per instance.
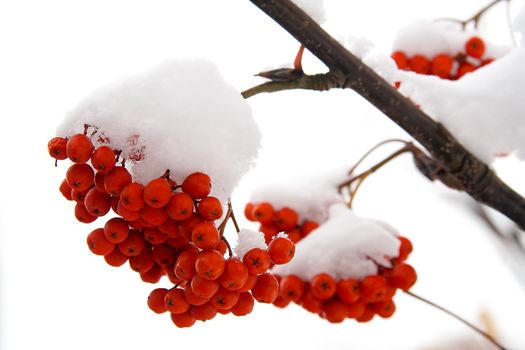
(180, 115)
(314, 9)
(429, 39)
(309, 196)
(345, 246)
(247, 240)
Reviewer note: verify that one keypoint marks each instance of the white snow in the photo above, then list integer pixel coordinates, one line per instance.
(314, 9)
(429, 38)
(247, 240)
(310, 195)
(345, 246)
(483, 110)
(182, 115)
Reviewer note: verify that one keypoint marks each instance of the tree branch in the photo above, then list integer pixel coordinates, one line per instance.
(477, 179)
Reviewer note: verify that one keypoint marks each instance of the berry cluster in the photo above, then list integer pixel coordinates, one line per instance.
(444, 65)
(332, 299)
(166, 229)
(274, 221)
(337, 300)
(210, 284)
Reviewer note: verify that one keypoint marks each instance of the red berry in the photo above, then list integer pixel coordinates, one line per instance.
(132, 195)
(205, 235)
(401, 59)
(419, 64)
(183, 320)
(175, 301)
(79, 148)
(133, 245)
(266, 288)
(335, 311)
(475, 47)
(116, 230)
(292, 288)
(154, 216)
(156, 300)
(197, 185)
(80, 177)
(116, 179)
(157, 193)
(143, 262)
(210, 264)
(98, 244)
(203, 288)
(225, 299)
(281, 250)
(115, 258)
(307, 227)
(185, 265)
(244, 305)
(323, 286)
(82, 214)
(103, 159)
(257, 261)
(374, 288)
(464, 69)
(348, 290)
(180, 207)
(65, 190)
(163, 254)
(57, 148)
(442, 65)
(263, 212)
(248, 212)
(153, 275)
(285, 219)
(210, 208)
(97, 203)
(235, 274)
(203, 312)
(192, 298)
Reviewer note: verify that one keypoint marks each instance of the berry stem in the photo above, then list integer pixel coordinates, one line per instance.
(475, 18)
(230, 252)
(450, 313)
(297, 63)
(362, 176)
(232, 215)
(351, 171)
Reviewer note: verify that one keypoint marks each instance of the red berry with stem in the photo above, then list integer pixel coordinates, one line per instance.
(57, 148)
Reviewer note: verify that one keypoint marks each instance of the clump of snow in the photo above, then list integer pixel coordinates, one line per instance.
(345, 246)
(314, 9)
(519, 25)
(483, 110)
(309, 196)
(247, 240)
(429, 39)
(180, 115)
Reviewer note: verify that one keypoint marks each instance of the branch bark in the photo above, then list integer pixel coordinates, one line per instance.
(476, 178)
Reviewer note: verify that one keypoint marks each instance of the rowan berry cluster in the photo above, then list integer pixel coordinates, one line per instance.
(445, 66)
(274, 221)
(166, 229)
(332, 299)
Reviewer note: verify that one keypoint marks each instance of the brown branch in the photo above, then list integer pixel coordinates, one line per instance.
(475, 18)
(474, 176)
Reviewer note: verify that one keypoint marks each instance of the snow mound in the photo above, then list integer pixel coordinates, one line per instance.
(345, 246)
(247, 240)
(180, 115)
(309, 196)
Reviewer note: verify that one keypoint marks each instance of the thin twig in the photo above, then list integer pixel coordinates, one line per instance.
(450, 313)
(351, 171)
(232, 216)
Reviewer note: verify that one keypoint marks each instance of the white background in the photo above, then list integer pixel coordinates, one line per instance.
(56, 295)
